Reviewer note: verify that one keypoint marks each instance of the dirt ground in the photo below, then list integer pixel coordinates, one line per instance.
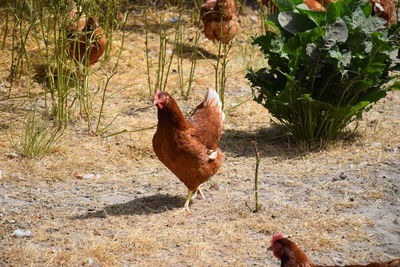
(109, 201)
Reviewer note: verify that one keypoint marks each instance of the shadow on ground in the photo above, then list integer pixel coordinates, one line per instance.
(157, 203)
(188, 50)
(271, 142)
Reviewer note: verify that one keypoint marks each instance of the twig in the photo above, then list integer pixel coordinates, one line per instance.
(103, 100)
(257, 207)
(130, 131)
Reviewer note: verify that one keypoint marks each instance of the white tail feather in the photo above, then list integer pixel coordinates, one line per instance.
(212, 98)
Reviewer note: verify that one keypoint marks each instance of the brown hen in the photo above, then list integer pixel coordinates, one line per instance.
(87, 40)
(292, 256)
(189, 148)
(220, 20)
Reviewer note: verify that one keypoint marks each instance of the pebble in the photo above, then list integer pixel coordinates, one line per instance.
(254, 18)
(88, 176)
(337, 260)
(175, 19)
(21, 232)
(139, 192)
(91, 175)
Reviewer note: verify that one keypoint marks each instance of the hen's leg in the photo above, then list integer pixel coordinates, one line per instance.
(188, 198)
(198, 190)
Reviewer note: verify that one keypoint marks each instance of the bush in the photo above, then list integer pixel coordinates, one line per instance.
(324, 68)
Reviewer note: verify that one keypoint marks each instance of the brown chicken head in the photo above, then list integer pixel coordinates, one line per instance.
(276, 247)
(161, 99)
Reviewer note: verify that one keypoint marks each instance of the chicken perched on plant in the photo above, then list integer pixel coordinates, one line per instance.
(189, 148)
(87, 40)
(292, 256)
(220, 20)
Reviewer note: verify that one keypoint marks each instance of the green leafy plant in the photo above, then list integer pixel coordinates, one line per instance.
(324, 68)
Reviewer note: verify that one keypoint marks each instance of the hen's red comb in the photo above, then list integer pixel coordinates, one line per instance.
(276, 237)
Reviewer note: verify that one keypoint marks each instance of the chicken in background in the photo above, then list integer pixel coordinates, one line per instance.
(382, 8)
(87, 41)
(316, 5)
(220, 20)
(292, 256)
(189, 148)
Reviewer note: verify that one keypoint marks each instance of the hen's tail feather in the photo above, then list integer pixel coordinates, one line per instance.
(212, 98)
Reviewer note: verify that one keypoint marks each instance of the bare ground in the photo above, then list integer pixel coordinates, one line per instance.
(110, 202)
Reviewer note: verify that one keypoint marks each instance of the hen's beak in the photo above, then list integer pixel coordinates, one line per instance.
(270, 248)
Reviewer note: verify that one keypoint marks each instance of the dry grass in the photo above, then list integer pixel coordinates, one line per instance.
(127, 212)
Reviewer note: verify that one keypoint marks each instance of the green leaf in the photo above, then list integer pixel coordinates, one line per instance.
(345, 113)
(316, 16)
(295, 22)
(357, 19)
(372, 24)
(343, 8)
(333, 12)
(336, 33)
(343, 59)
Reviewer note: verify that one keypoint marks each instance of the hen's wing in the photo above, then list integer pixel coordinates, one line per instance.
(208, 119)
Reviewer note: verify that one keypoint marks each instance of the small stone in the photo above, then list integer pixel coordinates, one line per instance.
(337, 260)
(375, 144)
(175, 19)
(254, 18)
(22, 233)
(88, 176)
(342, 175)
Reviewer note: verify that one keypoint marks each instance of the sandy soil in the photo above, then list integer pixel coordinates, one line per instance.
(110, 202)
